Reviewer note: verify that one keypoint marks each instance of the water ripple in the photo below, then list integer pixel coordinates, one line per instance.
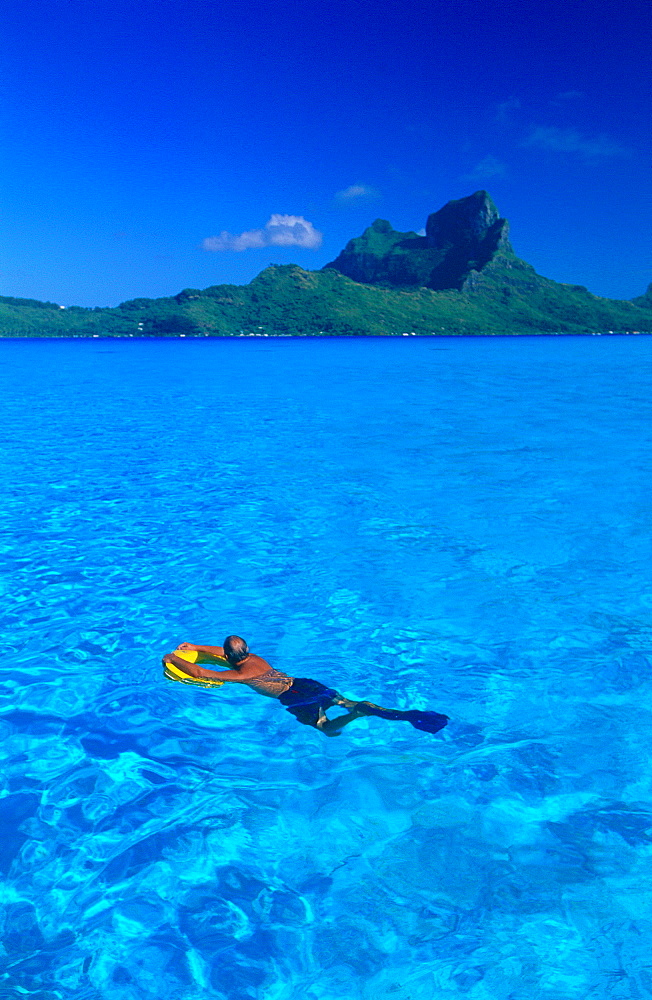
(467, 532)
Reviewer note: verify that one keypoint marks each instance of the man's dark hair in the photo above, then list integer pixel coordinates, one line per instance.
(235, 649)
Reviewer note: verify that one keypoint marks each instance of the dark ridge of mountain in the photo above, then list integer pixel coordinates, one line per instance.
(461, 238)
(645, 300)
(461, 278)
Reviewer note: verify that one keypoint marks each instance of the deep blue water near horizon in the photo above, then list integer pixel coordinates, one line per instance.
(460, 524)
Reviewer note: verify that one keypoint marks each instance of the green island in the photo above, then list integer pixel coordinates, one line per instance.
(461, 278)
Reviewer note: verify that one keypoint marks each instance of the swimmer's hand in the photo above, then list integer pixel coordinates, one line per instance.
(176, 661)
(186, 645)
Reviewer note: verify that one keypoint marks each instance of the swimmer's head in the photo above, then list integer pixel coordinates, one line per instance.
(235, 649)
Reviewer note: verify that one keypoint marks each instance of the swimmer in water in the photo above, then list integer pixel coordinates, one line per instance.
(307, 700)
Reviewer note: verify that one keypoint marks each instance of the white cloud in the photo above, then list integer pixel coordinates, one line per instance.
(504, 110)
(279, 231)
(568, 140)
(354, 192)
(487, 168)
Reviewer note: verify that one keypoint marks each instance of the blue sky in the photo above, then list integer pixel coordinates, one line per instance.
(158, 145)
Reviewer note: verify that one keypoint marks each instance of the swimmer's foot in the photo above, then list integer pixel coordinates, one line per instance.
(357, 709)
(327, 727)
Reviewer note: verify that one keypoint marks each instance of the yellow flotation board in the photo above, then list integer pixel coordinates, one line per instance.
(192, 656)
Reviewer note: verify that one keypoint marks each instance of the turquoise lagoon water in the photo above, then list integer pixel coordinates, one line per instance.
(455, 524)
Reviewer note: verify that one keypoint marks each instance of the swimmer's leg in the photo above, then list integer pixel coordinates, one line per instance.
(333, 727)
(429, 722)
(361, 707)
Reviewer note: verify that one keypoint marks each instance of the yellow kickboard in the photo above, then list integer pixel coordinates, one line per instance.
(175, 674)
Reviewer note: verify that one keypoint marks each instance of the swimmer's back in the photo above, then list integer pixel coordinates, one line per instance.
(270, 682)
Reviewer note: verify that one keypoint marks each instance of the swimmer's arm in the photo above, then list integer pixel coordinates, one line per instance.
(212, 652)
(195, 670)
